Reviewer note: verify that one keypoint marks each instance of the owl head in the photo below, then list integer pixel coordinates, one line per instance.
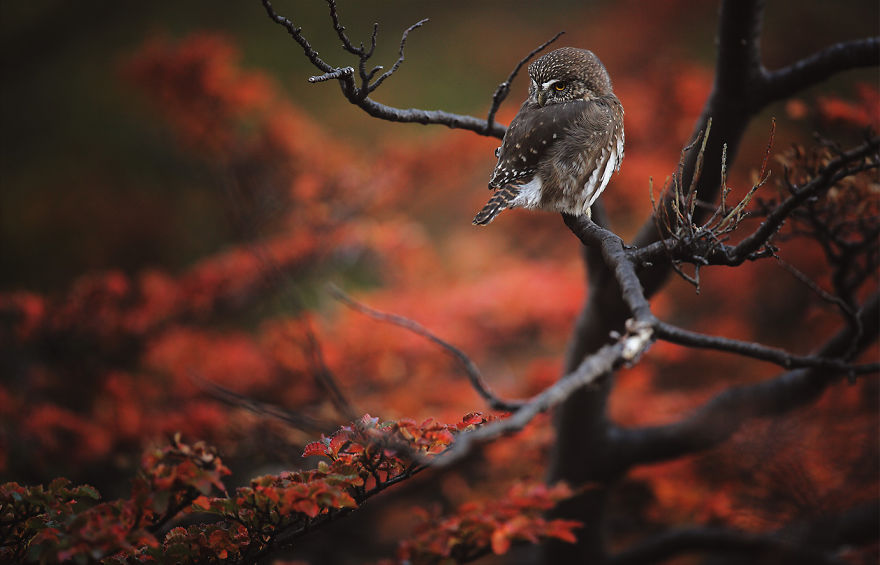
(567, 74)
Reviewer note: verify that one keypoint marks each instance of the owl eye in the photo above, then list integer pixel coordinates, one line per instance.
(559, 86)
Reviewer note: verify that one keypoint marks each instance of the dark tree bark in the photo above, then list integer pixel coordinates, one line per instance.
(589, 449)
(584, 451)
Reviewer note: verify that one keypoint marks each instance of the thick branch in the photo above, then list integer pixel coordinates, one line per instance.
(722, 416)
(788, 81)
(812, 541)
(616, 259)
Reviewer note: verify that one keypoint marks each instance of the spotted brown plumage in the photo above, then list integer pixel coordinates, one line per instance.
(565, 142)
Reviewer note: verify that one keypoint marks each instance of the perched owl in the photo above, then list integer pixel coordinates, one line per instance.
(564, 143)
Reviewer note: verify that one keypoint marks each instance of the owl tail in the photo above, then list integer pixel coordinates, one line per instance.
(499, 202)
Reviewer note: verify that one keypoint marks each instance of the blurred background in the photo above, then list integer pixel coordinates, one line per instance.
(174, 197)
(87, 170)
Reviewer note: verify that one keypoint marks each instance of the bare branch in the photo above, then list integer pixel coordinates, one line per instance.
(833, 172)
(296, 34)
(815, 287)
(699, 250)
(324, 376)
(470, 368)
(591, 370)
(295, 419)
(399, 60)
(674, 334)
(616, 259)
(359, 95)
(719, 541)
(336, 73)
(340, 31)
(785, 82)
(427, 117)
(504, 88)
(722, 416)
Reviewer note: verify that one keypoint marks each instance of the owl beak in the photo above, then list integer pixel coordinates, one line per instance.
(542, 97)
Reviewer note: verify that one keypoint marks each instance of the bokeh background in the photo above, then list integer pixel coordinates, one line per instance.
(174, 196)
(87, 170)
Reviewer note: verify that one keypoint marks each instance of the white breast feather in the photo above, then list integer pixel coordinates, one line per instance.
(606, 176)
(529, 194)
(619, 152)
(590, 190)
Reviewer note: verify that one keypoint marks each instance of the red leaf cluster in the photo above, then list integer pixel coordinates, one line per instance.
(478, 527)
(61, 523)
(114, 361)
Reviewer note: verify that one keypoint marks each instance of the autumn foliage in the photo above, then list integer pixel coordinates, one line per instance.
(156, 375)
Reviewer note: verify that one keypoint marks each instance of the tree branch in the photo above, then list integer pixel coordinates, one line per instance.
(708, 251)
(722, 416)
(359, 94)
(297, 420)
(616, 259)
(719, 541)
(787, 81)
(428, 117)
(674, 334)
(296, 34)
(833, 172)
(470, 368)
(504, 88)
(592, 368)
(812, 541)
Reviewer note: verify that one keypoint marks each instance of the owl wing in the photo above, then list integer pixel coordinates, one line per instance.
(597, 141)
(533, 131)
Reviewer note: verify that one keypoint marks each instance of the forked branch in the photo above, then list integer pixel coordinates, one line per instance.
(359, 93)
(722, 416)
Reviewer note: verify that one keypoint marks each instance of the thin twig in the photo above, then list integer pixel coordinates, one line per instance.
(324, 376)
(399, 60)
(681, 336)
(359, 95)
(814, 286)
(504, 88)
(297, 420)
(296, 33)
(719, 418)
(340, 30)
(470, 368)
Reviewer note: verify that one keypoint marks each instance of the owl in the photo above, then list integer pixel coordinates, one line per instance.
(564, 143)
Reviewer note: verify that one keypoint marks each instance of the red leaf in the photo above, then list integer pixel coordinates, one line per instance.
(315, 448)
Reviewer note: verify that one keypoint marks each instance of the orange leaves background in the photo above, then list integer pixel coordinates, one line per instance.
(193, 240)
